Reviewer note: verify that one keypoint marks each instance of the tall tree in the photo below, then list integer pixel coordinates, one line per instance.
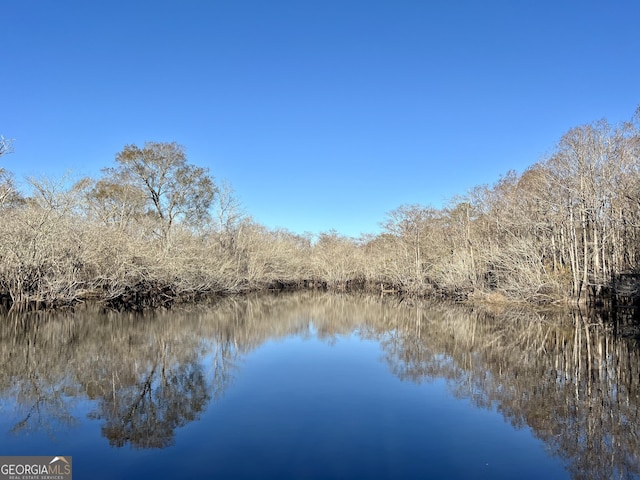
(175, 190)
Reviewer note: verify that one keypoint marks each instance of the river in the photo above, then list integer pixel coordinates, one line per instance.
(323, 386)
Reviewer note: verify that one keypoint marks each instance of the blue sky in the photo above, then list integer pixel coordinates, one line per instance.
(321, 114)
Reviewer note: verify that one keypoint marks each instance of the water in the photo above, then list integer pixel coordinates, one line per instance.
(321, 386)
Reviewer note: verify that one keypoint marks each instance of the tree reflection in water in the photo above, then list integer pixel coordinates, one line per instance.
(43, 390)
(567, 376)
(147, 376)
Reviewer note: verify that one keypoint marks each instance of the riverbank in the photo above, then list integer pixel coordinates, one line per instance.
(153, 294)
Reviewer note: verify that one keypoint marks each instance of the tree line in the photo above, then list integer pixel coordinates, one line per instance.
(154, 229)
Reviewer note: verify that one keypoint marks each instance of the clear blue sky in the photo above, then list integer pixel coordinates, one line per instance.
(321, 114)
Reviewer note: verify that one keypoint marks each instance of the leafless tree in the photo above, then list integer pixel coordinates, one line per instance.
(175, 190)
(6, 146)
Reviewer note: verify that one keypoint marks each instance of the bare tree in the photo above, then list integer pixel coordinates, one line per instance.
(116, 203)
(175, 190)
(6, 146)
(411, 228)
(228, 216)
(8, 193)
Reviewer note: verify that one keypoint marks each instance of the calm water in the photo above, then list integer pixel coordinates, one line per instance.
(322, 386)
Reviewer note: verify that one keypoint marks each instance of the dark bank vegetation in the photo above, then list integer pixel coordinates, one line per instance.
(155, 229)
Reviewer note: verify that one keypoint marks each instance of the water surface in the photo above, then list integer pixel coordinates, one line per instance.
(322, 386)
